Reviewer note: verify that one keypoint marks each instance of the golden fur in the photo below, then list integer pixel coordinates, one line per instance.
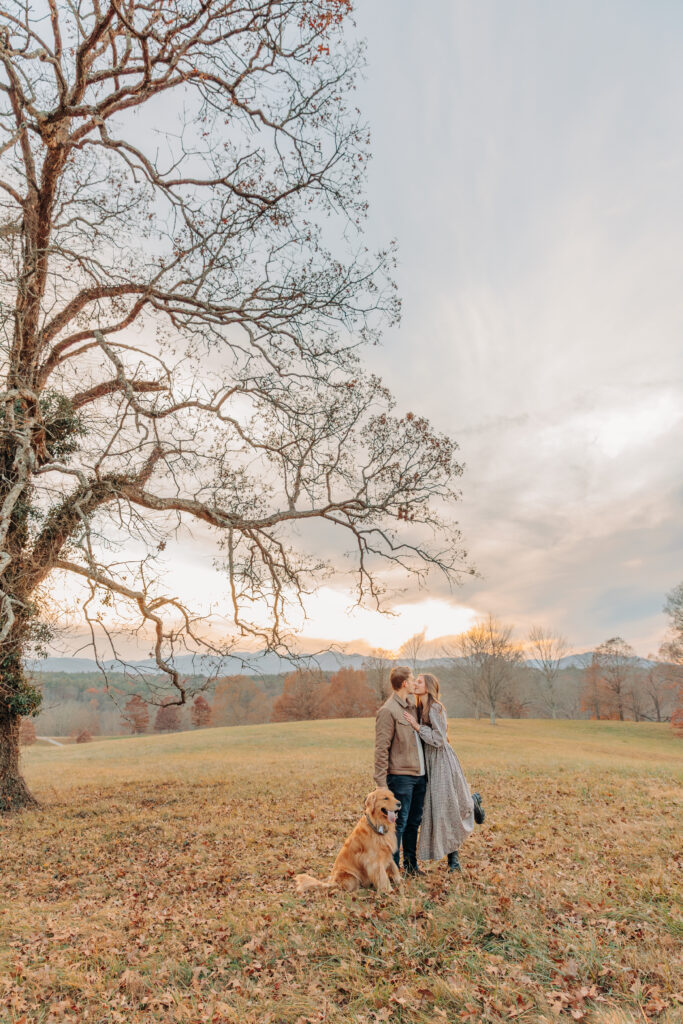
(366, 858)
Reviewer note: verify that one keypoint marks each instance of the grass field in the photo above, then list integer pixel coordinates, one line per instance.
(155, 884)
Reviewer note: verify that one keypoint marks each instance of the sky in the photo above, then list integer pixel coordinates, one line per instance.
(528, 158)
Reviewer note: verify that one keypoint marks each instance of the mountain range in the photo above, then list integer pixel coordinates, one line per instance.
(255, 663)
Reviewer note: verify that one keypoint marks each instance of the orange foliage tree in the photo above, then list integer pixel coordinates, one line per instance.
(200, 714)
(167, 717)
(301, 697)
(238, 700)
(349, 695)
(136, 715)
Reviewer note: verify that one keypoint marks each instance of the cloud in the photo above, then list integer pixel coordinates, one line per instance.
(529, 165)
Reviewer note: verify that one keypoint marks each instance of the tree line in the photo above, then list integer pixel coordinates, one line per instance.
(483, 671)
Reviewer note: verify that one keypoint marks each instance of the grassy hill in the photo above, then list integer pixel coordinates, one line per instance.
(155, 884)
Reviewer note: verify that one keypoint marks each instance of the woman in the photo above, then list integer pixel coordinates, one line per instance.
(449, 810)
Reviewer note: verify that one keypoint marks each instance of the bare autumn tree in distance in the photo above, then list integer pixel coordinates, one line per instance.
(616, 661)
(378, 664)
(411, 649)
(487, 666)
(672, 651)
(547, 649)
(184, 295)
(594, 697)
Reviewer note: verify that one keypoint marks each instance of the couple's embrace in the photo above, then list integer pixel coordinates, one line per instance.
(414, 760)
(419, 780)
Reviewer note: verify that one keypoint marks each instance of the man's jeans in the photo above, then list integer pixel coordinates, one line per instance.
(410, 790)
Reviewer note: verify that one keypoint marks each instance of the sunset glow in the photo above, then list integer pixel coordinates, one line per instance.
(329, 616)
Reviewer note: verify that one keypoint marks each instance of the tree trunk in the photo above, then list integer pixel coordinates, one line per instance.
(492, 716)
(14, 793)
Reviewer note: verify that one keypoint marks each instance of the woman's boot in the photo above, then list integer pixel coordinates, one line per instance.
(453, 861)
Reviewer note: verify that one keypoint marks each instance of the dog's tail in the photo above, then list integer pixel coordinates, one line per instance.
(306, 882)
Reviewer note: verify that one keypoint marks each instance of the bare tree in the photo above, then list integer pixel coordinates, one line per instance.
(615, 660)
(593, 697)
(488, 664)
(547, 649)
(466, 655)
(378, 664)
(410, 650)
(515, 701)
(671, 652)
(179, 342)
(636, 696)
(672, 648)
(659, 686)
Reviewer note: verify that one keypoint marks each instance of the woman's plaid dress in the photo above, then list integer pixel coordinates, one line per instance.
(448, 816)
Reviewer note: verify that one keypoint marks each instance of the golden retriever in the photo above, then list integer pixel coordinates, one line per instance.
(367, 857)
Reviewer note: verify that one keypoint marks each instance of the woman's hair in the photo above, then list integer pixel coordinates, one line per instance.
(432, 696)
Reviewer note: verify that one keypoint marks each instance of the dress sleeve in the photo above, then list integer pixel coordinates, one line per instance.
(435, 735)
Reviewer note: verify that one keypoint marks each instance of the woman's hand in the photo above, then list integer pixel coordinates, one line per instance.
(411, 721)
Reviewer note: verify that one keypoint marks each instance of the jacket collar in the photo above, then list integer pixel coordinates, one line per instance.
(404, 703)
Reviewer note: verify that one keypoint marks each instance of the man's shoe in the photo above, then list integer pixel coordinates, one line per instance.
(413, 869)
(479, 813)
(453, 861)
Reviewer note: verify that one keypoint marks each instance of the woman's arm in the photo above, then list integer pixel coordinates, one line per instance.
(435, 735)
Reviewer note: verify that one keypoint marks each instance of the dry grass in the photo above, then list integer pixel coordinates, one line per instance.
(155, 884)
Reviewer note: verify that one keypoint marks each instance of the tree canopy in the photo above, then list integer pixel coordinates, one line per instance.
(184, 295)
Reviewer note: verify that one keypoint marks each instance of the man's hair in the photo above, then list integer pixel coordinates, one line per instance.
(398, 676)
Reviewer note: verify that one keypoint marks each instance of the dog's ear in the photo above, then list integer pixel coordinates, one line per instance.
(371, 802)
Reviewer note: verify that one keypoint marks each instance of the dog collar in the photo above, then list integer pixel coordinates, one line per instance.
(381, 831)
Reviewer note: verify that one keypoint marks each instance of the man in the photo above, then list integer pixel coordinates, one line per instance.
(400, 764)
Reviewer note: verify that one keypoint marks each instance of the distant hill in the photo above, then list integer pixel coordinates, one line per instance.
(581, 660)
(239, 663)
(259, 663)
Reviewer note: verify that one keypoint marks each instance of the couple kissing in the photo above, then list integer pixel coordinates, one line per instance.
(419, 781)
(414, 760)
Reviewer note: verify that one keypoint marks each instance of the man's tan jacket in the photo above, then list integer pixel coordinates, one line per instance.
(395, 746)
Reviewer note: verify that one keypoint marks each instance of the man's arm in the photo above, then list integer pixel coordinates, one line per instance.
(384, 734)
